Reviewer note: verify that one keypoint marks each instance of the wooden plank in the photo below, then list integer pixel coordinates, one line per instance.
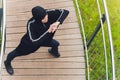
(61, 49)
(24, 22)
(68, 20)
(64, 77)
(29, 72)
(68, 59)
(59, 32)
(30, 6)
(46, 55)
(25, 12)
(44, 49)
(37, 2)
(26, 9)
(70, 36)
(16, 29)
(27, 16)
(63, 26)
(48, 65)
(42, 2)
(62, 42)
(16, 37)
(69, 25)
(17, 23)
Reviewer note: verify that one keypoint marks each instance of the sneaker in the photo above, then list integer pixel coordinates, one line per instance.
(54, 53)
(9, 68)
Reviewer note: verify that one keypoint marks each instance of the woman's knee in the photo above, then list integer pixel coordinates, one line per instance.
(56, 43)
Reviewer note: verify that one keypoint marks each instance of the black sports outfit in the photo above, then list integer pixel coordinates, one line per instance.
(36, 35)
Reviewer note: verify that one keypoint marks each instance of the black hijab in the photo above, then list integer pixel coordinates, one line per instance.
(38, 13)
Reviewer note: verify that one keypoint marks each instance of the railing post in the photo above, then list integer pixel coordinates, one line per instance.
(96, 31)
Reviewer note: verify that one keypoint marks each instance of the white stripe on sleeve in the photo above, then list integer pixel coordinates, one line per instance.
(30, 35)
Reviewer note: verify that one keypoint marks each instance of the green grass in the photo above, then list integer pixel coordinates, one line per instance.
(91, 18)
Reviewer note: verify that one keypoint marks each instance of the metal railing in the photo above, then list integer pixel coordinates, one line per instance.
(97, 40)
(3, 32)
(98, 48)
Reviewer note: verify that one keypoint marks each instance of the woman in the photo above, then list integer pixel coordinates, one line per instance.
(40, 31)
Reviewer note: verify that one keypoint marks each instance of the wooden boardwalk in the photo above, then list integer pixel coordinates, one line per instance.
(41, 65)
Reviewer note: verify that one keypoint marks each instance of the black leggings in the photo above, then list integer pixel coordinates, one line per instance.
(54, 44)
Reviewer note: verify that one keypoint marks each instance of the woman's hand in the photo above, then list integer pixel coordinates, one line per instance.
(53, 27)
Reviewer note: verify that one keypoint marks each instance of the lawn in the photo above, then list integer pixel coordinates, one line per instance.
(90, 19)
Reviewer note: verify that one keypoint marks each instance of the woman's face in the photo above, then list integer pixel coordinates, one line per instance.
(45, 19)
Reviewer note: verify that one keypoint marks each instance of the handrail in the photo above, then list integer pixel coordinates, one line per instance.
(3, 35)
(110, 38)
(84, 39)
(104, 52)
(103, 33)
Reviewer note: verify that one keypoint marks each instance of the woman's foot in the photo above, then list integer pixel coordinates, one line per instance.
(9, 68)
(54, 53)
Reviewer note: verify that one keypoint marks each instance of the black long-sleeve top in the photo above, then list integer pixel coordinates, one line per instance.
(37, 35)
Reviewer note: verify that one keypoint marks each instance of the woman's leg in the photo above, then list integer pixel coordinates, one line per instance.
(9, 58)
